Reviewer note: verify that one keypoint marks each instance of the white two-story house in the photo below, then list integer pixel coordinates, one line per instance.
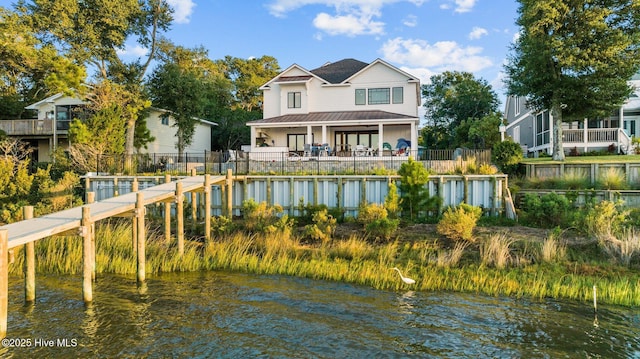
(343, 106)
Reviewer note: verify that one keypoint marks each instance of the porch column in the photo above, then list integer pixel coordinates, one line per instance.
(414, 139)
(253, 137)
(551, 139)
(309, 135)
(585, 134)
(380, 139)
(324, 134)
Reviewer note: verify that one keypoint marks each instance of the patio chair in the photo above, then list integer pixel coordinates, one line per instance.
(307, 150)
(360, 150)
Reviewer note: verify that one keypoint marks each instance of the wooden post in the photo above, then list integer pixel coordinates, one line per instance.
(4, 281)
(87, 187)
(115, 186)
(292, 204)
(193, 172)
(167, 214)
(269, 197)
(363, 190)
(207, 207)
(134, 219)
(179, 217)
(87, 268)
(29, 263)
(194, 210)
(229, 183)
(466, 189)
(141, 238)
(91, 198)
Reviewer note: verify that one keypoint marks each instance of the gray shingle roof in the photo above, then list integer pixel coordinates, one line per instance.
(336, 116)
(337, 72)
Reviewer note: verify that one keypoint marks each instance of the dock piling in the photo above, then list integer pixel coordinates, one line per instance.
(29, 262)
(180, 217)
(4, 281)
(87, 268)
(141, 255)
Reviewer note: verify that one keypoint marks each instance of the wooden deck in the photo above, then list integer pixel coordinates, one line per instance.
(37, 228)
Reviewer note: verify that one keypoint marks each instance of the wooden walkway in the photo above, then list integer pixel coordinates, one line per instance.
(81, 219)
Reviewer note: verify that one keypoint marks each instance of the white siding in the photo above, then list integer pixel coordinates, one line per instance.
(165, 136)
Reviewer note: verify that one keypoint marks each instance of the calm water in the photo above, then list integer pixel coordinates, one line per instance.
(228, 315)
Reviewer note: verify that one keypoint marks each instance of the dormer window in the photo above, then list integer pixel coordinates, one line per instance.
(294, 100)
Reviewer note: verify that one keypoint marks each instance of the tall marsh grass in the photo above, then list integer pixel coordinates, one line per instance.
(354, 260)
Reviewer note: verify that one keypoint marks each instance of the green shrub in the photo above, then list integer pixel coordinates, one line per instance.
(605, 220)
(507, 156)
(260, 217)
(457, 223)
(323, 227)
(370, 212)
(382, 228)
(221, 225)
(392, 201)
(547, 211)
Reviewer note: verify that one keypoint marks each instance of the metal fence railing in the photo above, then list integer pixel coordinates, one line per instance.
(218, 162)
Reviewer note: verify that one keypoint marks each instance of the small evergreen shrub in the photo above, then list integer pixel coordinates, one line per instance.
(368, 213)
(323, 227)
(221, 225)
(457, 223)
(392, 201)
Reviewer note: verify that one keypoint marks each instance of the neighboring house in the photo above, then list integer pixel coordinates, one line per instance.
(51, 129)
(534, 130)
(341, 106)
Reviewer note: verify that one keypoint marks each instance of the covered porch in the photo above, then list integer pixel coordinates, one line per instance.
(336, 135)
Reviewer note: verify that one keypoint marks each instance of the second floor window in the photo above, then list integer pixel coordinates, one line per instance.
(398, 95)
(294, 99)
(379, 96)
(361, 96)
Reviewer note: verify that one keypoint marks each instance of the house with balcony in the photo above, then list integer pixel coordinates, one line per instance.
(344, 108)
(50, 130)
(533, 130)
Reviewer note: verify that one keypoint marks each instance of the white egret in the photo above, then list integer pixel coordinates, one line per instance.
(405, 279)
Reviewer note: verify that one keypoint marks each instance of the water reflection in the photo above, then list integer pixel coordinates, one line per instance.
(235, 315)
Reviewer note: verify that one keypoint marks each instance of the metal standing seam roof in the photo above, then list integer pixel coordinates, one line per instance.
(337, 116)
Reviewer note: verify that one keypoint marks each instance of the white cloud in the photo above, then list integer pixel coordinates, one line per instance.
(349, 25)
(441, 56)
(182, 10)
(351, 17)
(477, 32)
(410, 21)
(133, 51)
(460, 5)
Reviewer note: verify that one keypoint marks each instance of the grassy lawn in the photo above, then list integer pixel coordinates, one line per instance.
(585, 159)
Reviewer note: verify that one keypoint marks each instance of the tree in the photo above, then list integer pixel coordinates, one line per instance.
(29, 69)
(92, 33)
(247, 76)
(450, 99)
(574, 58)
(190, 86)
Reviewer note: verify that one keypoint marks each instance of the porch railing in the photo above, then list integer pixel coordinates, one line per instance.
(218, 162)
(603, 135)
(27, 127)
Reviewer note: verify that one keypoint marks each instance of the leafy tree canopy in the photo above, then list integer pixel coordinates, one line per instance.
(247, 75)
(574, 57)
(451, 98)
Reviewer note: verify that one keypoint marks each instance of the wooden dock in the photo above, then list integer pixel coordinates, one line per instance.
(81, 220)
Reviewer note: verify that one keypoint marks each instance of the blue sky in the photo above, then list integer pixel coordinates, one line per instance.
(422, 37)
